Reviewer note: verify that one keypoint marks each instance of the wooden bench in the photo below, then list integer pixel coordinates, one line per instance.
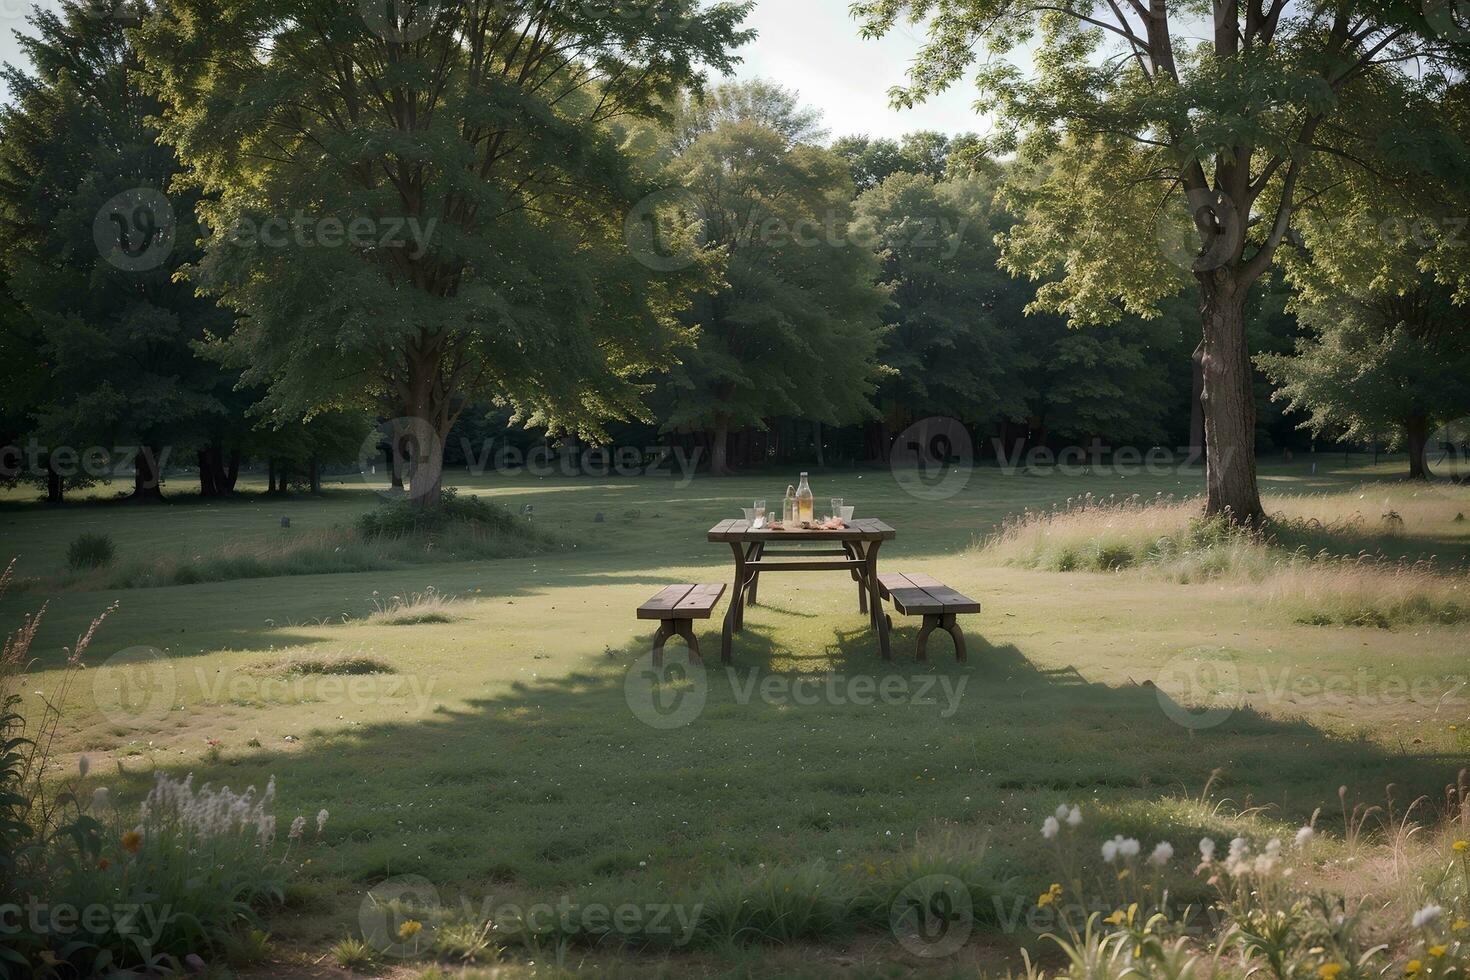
(676, 608)
(915, 594)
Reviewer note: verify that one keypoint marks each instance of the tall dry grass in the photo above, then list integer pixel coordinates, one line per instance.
(1340, 559)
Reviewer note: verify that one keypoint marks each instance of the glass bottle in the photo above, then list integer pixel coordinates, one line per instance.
(788, 507)
(804, 501)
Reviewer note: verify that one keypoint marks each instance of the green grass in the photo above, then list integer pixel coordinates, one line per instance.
(496, 754)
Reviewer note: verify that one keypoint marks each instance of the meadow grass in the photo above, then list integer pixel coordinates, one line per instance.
(497, 754)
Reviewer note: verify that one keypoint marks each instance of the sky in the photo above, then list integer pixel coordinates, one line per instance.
(811, 46)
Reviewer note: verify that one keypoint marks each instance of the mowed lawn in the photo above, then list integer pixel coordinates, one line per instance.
(497, 754)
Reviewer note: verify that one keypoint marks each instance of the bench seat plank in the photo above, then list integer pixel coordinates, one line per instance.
(700, 602)
(661, 606)
(954, 602)
(908, 598)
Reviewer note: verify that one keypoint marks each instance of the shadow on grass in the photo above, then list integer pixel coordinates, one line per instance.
(560, 783)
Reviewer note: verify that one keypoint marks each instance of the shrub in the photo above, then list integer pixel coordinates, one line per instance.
(402, 517)
(90, 551)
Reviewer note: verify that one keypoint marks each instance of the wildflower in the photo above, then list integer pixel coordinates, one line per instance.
(1050, 827)
(1162, 854)
(1460, 925)
(100, 800)
(1239, 847)
(1128, 848)
(83, 764)
(409, 929)
(1304, 836)
(1329, 971)
(1116, 919)
(1074, 817)
(1427, 915)
(1062, 811)
(1206, 850)
(1273, 847)
(132, 841)
(1413, 967)
(1461, 846)
(298, 827)
(1050, 896)
(321, 819)
(1124, 874)
(1437, 951)
(1110, 851)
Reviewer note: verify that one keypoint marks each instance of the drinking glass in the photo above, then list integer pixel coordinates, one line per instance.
(760, 509)
(837, 507)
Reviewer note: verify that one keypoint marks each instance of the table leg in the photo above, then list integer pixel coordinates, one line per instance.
(854, 552)
(755, 577)
(875, 604)
(732, 615)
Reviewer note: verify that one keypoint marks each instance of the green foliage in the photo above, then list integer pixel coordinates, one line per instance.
(403, 517)
(794, 330)
(353, 954)
(477, 146)
(88, 551)
(923, 153)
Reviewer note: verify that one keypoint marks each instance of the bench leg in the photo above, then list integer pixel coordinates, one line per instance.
(931, 623)
(675, 627)
(946, 622)
(685, 628)
(953, 627)
(665, 630)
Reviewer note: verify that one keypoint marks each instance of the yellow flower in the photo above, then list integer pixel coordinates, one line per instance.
(1116, 919)
(1437, 951)
(1460, 925)
(1049, 896)
(1461, 845)
(132, 841)
(409, 929)
(1124, 873)
(1329, 971)
(1413, 967)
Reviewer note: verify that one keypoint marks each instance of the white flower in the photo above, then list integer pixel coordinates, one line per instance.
(1062, 811)
(1239, 847)
(1050, 827)
(83, 764)
(1128, 848)
(321, 819)
(1074, 817)
(1304, 836)
(1206, 849)
(298, 827)
(1266, 864)
(100, 800)
(1110, 850)
(1273, 847)
(1162, 854)
(1427, 915)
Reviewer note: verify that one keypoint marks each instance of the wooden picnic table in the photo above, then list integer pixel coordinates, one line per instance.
(856, 554)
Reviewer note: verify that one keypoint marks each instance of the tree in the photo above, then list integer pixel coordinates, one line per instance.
(931, 154)
(424, 203)
(93, 243)
(951, 344)
(1130, 135)
(794, 328)
(1384, 366)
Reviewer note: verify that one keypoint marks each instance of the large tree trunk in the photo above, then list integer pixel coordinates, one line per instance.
(1229, 404)
(231, 474)
(55, 485)
(207, 486)
(316, 474)
(428, 420)
(719, 442)
(147, 481)
(1197, 406)
(1416, 430)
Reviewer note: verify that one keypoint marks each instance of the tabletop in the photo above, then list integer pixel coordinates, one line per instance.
(864, 529)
